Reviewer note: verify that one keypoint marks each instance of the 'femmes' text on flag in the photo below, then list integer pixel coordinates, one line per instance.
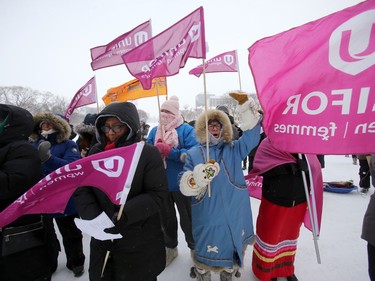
(316, 83)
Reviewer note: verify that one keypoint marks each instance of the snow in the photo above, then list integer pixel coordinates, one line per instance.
(342, 252)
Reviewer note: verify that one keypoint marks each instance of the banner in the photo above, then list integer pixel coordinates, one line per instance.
(133, 90)
(86, 95)
(110, 54)
(316, 83)
(167, 52)
(225, 62)
(113, 168)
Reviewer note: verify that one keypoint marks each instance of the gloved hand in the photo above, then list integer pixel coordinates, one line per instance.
(249, 115)
(188, 186)
(120, 226)
(44, 151)
(240, 97)
(205, 173)
(163, 148)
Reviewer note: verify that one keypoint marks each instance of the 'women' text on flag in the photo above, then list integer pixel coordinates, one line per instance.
(114, 168)
(167, 52)
(110, 54)
(316, 83)
(225, 62)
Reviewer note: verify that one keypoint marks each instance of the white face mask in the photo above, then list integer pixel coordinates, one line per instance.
(166, 118)
(46, 133)
(212, 139)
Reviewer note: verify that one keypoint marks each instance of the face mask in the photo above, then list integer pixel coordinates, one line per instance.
(46, 133)
(166, 118)
(212, 138)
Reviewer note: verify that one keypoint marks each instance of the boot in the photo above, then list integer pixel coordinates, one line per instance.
(226, 276)
(171, 254)
(200, 274)
(291, 278)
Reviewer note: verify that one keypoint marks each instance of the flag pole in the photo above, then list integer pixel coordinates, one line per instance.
(206, 120)
(238, 71)
(312, 218)
(97, 100)
(161, 126)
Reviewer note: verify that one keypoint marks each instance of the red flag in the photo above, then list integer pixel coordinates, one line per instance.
(316, 83)
(225, 62)
(86, 95)
(167, 52)
(110, 54)
(52, 193)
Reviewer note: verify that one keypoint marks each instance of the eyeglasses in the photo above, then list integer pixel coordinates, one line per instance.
(115, 128)
(214, 126)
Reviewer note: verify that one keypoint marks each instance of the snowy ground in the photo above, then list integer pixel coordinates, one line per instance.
(343, 253)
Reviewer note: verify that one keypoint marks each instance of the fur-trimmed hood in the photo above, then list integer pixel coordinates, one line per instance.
(59, 124)
(213, 114)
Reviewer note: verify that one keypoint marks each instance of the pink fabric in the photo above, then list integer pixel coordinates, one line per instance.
(52, 193)
(163, 148)
(225, 62)
(316, 83)
(85, 95)
(268, 157)
(164, 54)
(110, 54)
(167, 133)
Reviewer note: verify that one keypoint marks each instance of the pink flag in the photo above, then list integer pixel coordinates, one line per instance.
(167, 52)
(110, 54)
(226, 62)
(52, 193)
(316, 83)
(86, 95)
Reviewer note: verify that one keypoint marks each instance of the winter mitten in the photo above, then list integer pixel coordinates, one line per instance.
(163, 148)
(240, 97)
(120, 226)
(44, 151)
(248, 115)
(205, 173)
(188, 186)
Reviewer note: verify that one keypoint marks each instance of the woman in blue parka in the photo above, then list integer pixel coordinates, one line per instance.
(221, 213)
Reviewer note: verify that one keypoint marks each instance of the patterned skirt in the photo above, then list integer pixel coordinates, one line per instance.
(277, 231)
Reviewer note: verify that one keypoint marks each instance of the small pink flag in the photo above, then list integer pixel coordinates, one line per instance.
(316, 83)
(52, 193)
(85, 95)
(167, 52)
(225, 62)
(110, 54)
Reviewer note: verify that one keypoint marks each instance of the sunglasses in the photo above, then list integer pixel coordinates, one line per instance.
(114, 128)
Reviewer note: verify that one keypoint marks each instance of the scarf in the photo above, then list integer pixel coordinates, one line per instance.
(167, 132)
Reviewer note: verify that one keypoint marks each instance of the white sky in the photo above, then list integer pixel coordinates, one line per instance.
(45, 44)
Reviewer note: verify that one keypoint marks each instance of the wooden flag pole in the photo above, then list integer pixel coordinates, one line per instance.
(238, 71)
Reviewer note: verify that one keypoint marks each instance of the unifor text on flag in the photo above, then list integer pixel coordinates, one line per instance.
(164, 54)
(316, 83)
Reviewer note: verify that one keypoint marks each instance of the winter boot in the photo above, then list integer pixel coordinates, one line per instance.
(226, 276)
(291, 278)
(200, 274)
(171, 254)
(364, 190)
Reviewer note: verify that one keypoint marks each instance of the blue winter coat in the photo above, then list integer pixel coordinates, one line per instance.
(222, 223)
(186, 140)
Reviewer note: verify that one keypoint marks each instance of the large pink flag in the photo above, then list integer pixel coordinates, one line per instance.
(316, 83)
(85, 95)
(110, 54)
(167, 52)
(225, 62)
(111, 171)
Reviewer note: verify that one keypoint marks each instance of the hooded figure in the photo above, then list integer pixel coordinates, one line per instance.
(140, 253)
(221, 214)
(52, 138)
(86, 132)
(29, 249)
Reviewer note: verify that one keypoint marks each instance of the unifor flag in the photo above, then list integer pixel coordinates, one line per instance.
(52, 193)
(85, 95)
(225, 62)
(133, 90)
(164, 54)
(110, 54)
(316, 83)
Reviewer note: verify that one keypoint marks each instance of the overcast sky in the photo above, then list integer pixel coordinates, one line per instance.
(45, 44)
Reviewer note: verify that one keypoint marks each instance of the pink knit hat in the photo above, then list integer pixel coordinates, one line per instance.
(172, 105)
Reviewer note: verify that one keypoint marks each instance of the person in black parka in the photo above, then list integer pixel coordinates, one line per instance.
(20, 169)
(140, 253)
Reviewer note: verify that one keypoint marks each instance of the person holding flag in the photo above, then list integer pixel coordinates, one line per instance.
(140, 253)
(221, 212)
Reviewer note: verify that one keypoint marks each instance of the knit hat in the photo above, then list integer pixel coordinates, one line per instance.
(172, 105)
(223, 108)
